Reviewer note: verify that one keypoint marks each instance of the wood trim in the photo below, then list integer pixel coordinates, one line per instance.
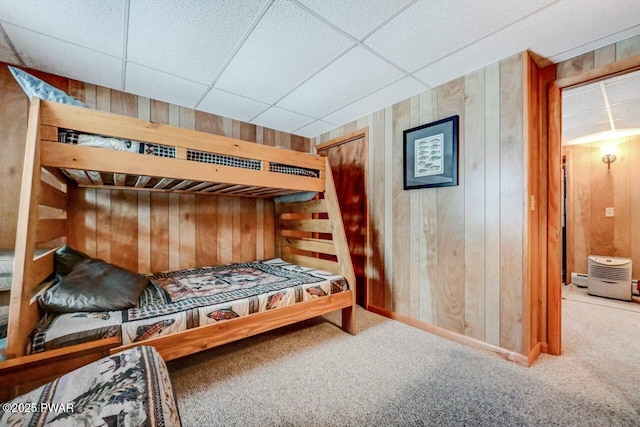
(204, 337)
(569, 219)
(610, 70)
(22, 319)
(554, 243)
(360, 133)
(476, 344)
(534, 353)
(554, 239)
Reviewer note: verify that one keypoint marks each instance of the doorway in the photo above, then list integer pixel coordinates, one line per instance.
(348, 157)
(555, 197)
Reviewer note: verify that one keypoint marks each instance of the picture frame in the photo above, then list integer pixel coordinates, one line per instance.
(431, 154)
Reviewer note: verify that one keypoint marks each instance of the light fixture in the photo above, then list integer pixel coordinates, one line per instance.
(608, 154)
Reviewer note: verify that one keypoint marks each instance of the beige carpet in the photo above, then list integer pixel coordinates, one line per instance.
(313, 374)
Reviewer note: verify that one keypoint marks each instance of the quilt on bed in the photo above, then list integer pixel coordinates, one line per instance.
(130, 388)
(185, 299)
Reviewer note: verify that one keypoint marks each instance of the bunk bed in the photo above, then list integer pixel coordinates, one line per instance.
(157, 157)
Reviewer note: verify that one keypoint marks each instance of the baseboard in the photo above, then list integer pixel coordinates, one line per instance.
(474, 343)
(535, 352)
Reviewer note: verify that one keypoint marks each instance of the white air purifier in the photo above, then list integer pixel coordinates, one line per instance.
(610, 277)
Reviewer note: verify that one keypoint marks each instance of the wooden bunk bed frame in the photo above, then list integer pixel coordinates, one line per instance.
(304, 235)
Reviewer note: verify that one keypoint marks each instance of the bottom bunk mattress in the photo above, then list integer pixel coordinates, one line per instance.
(178, 300)
(130, 388)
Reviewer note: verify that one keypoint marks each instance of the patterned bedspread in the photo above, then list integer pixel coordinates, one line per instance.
(131, 388)
(185, 299)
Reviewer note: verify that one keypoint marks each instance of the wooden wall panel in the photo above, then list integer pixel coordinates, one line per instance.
(511, 203)
(492, 204)
(377, 288)
(594, 189)
(451, 250)
(451, 211)
(401, 213)
(428, 267)
(473, 163)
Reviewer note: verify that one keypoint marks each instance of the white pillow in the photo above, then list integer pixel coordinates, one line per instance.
(33, 86)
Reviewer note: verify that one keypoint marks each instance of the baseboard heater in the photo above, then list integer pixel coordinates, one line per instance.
(581, 280)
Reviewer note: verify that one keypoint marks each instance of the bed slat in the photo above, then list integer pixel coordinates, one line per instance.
(142, 181)
(79, 176)
(310, 245)
(50, 229)
(314, 225)
(312, 206)
(95, 177)
(320, 264)
(52, 197)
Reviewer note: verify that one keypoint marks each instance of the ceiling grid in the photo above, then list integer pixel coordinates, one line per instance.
(298, 66)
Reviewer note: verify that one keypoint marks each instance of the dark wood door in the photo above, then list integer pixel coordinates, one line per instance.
(348, 165)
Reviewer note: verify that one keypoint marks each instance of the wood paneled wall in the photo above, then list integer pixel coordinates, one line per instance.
(453, 256)
(140, 230)
(598, 58)
(592, 189)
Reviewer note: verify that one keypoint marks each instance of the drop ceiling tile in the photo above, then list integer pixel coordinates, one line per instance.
(92, 24)
(570, 30)
(629, 122)
(231, 105)
(622, 91)
(64, 59)
(190, 39)
(286, 47)
(389, 95)
(356, 17)
(352, 76)
(314, 129)
(282, 120)
(6, 53)
(161, 86)
(568, 18)
(587, 98)
(627, 109)
(430, 30)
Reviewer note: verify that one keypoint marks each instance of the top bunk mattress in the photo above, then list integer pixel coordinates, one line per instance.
(178, 300)
(88, 140)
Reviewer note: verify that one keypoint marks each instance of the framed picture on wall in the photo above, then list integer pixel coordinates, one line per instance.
(431, 154)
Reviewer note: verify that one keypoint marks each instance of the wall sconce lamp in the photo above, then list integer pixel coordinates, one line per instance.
(608, 154)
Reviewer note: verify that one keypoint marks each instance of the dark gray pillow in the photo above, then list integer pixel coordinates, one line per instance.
(94, 285)
(66, 258)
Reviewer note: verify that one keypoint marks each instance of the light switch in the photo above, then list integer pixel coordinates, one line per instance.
(608, 211)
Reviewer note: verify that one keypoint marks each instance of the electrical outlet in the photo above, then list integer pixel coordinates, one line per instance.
(608, 212)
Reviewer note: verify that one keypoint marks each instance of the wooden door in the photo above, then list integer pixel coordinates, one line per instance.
(348, 158)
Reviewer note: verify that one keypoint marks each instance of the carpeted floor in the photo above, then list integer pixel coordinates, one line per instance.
(392, 374)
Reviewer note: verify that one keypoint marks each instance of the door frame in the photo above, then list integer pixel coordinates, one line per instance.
(364, 134)
(554, 244)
